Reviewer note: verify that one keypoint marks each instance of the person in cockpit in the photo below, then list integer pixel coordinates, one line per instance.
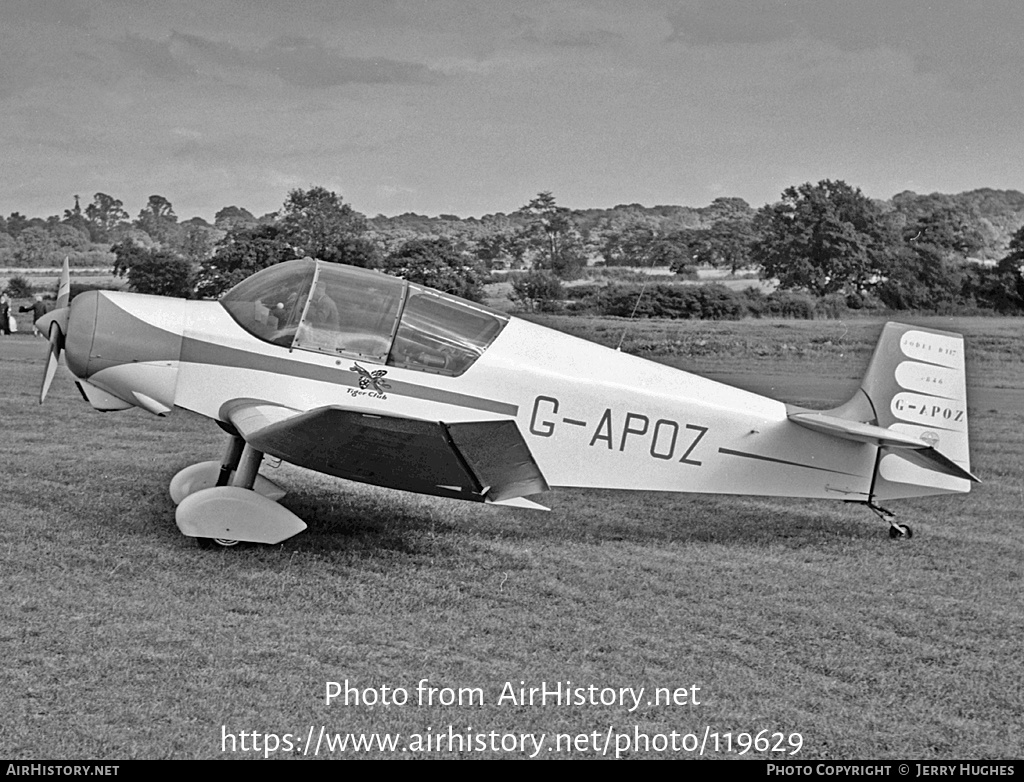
(322, 312)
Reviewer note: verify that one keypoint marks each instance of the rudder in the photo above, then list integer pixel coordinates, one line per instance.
(916, 384)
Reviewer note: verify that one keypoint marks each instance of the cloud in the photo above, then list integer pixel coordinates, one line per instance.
(154, 58)
(56, 14)
(297, 61)
(971, 45)
(707, 23)
(571, 39)
(304, 62)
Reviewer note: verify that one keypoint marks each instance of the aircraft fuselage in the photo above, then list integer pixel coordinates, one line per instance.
(591, 416)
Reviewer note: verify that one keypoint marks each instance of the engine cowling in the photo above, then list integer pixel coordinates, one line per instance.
(126, 345)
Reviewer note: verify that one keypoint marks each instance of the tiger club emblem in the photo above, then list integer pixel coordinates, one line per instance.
(368, 378)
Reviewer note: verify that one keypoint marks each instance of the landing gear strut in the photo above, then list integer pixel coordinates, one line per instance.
(242, 463)
(235, 469)
(229, 463)
(221, 504)
(897, 531)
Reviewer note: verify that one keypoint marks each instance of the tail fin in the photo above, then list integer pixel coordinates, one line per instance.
(916, 385)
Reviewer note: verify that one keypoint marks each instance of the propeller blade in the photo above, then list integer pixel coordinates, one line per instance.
(64, 289)
(55, 323)
(52, 360)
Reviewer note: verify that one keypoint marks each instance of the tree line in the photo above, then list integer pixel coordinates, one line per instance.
(826, 240)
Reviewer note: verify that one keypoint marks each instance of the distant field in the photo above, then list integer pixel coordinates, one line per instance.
(122, 639)
(839, 348)
(46, 280)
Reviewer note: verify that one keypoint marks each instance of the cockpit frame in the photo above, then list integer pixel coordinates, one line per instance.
(363, 315)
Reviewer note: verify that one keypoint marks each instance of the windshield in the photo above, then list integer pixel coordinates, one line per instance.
(352, 312)
(269, 304)
(362, 314)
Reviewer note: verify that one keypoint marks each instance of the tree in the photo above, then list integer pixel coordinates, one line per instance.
(501, 249)
(163, 274)
(922, 277)
(245, 250)
(669, 249)
(928, 271)
(357, 251)
(1016, 255)
(1003, 287)
(17, 223)
(631, 246)
(233, 217)
(946, 227)
(555, 237)
(826, 238)
(68, 236)
(196, 241)
(729, 209)
(640, 244)
(104, 214)
(73, 217)
(35, 247)
(155, 271)
(317, 223)
(19, 287)
(537, 291)
(158, 219)
(437, 264)
(727, 244)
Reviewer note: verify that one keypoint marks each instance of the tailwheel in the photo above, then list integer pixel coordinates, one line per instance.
(900, 531)
(897, 531)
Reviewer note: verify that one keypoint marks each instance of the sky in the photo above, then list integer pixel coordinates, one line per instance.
(471, 107)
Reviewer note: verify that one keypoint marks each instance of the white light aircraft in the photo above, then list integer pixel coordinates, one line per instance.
(368, 377)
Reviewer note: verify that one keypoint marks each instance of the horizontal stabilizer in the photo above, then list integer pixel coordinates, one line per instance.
(909, 447)
(931, 459)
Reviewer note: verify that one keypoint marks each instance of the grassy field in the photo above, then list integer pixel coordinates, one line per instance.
(46, 280)
(122, 639)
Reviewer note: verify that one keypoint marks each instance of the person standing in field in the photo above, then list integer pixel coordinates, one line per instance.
(38, 308)
(5, 314)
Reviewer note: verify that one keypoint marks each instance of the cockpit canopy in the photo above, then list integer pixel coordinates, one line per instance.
(361, 314)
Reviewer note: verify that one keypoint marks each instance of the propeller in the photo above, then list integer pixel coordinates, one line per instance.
(55, 324)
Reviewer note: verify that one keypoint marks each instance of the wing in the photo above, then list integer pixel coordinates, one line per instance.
(486, 461)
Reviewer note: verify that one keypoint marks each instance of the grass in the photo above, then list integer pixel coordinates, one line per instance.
(124, 640)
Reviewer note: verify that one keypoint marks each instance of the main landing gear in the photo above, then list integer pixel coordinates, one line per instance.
(897, 531)
(225, 503)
